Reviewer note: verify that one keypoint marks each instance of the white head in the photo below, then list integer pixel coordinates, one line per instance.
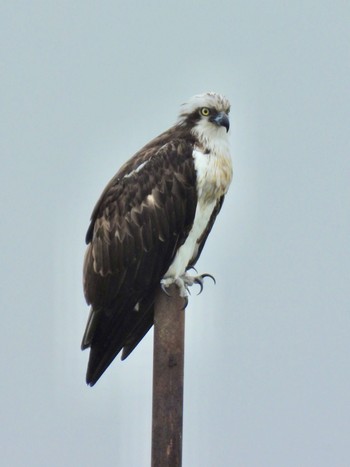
(207, 115)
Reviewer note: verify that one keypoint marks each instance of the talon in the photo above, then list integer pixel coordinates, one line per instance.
(164, 288)
(184, 283)
(192, 267)
(208, 275)
(185, 303)
(200, 283)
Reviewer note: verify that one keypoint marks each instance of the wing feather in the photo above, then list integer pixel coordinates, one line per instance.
(140, 220)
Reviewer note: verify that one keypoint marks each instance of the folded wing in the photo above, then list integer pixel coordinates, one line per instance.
(142, 217)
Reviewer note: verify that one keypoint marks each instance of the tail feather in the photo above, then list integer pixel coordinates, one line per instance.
(142, 325)
(108, 332)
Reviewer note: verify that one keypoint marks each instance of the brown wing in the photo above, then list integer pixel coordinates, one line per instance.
(142, 217)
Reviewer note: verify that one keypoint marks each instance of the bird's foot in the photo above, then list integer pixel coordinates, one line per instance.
(178, 281)
(190, 280)
(184, 282)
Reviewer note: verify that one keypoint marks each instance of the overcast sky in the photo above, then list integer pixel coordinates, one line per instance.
(267, 370)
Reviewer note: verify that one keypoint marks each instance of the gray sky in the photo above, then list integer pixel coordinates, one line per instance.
(267, 373)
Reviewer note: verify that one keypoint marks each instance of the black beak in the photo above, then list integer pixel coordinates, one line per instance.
(221, 119)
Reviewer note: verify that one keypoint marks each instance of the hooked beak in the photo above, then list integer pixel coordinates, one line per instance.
(221, 119)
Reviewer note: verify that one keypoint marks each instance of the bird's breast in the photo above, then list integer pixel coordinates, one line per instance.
(214, 174)
(213, 177)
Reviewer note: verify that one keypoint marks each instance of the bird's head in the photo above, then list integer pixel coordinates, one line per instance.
(207, 115)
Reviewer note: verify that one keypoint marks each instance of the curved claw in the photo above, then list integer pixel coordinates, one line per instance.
(200, 283)
(192, 267)
(209, 275)
(185, 303)
(163, 287)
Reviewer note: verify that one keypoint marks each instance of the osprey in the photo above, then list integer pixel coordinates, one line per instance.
(150, 225)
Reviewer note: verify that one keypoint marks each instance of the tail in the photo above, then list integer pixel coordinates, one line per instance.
(109, 331)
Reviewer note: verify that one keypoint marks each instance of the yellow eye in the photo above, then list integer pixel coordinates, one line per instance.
(205, 111)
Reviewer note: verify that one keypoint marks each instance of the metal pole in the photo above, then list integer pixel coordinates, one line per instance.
(168, 373)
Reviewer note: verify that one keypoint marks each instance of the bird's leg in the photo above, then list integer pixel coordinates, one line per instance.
(168, 281)
(184, 282)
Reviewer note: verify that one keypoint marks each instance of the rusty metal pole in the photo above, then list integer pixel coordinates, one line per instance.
(168, 374)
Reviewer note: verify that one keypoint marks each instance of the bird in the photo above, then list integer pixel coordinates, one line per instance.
(150, 225)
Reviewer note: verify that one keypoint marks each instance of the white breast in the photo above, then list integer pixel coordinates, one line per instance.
(211, 185)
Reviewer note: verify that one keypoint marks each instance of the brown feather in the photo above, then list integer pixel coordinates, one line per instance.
(142, 218)
(138, 223)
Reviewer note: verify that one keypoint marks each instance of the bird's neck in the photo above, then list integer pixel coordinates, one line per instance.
(212, 140)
